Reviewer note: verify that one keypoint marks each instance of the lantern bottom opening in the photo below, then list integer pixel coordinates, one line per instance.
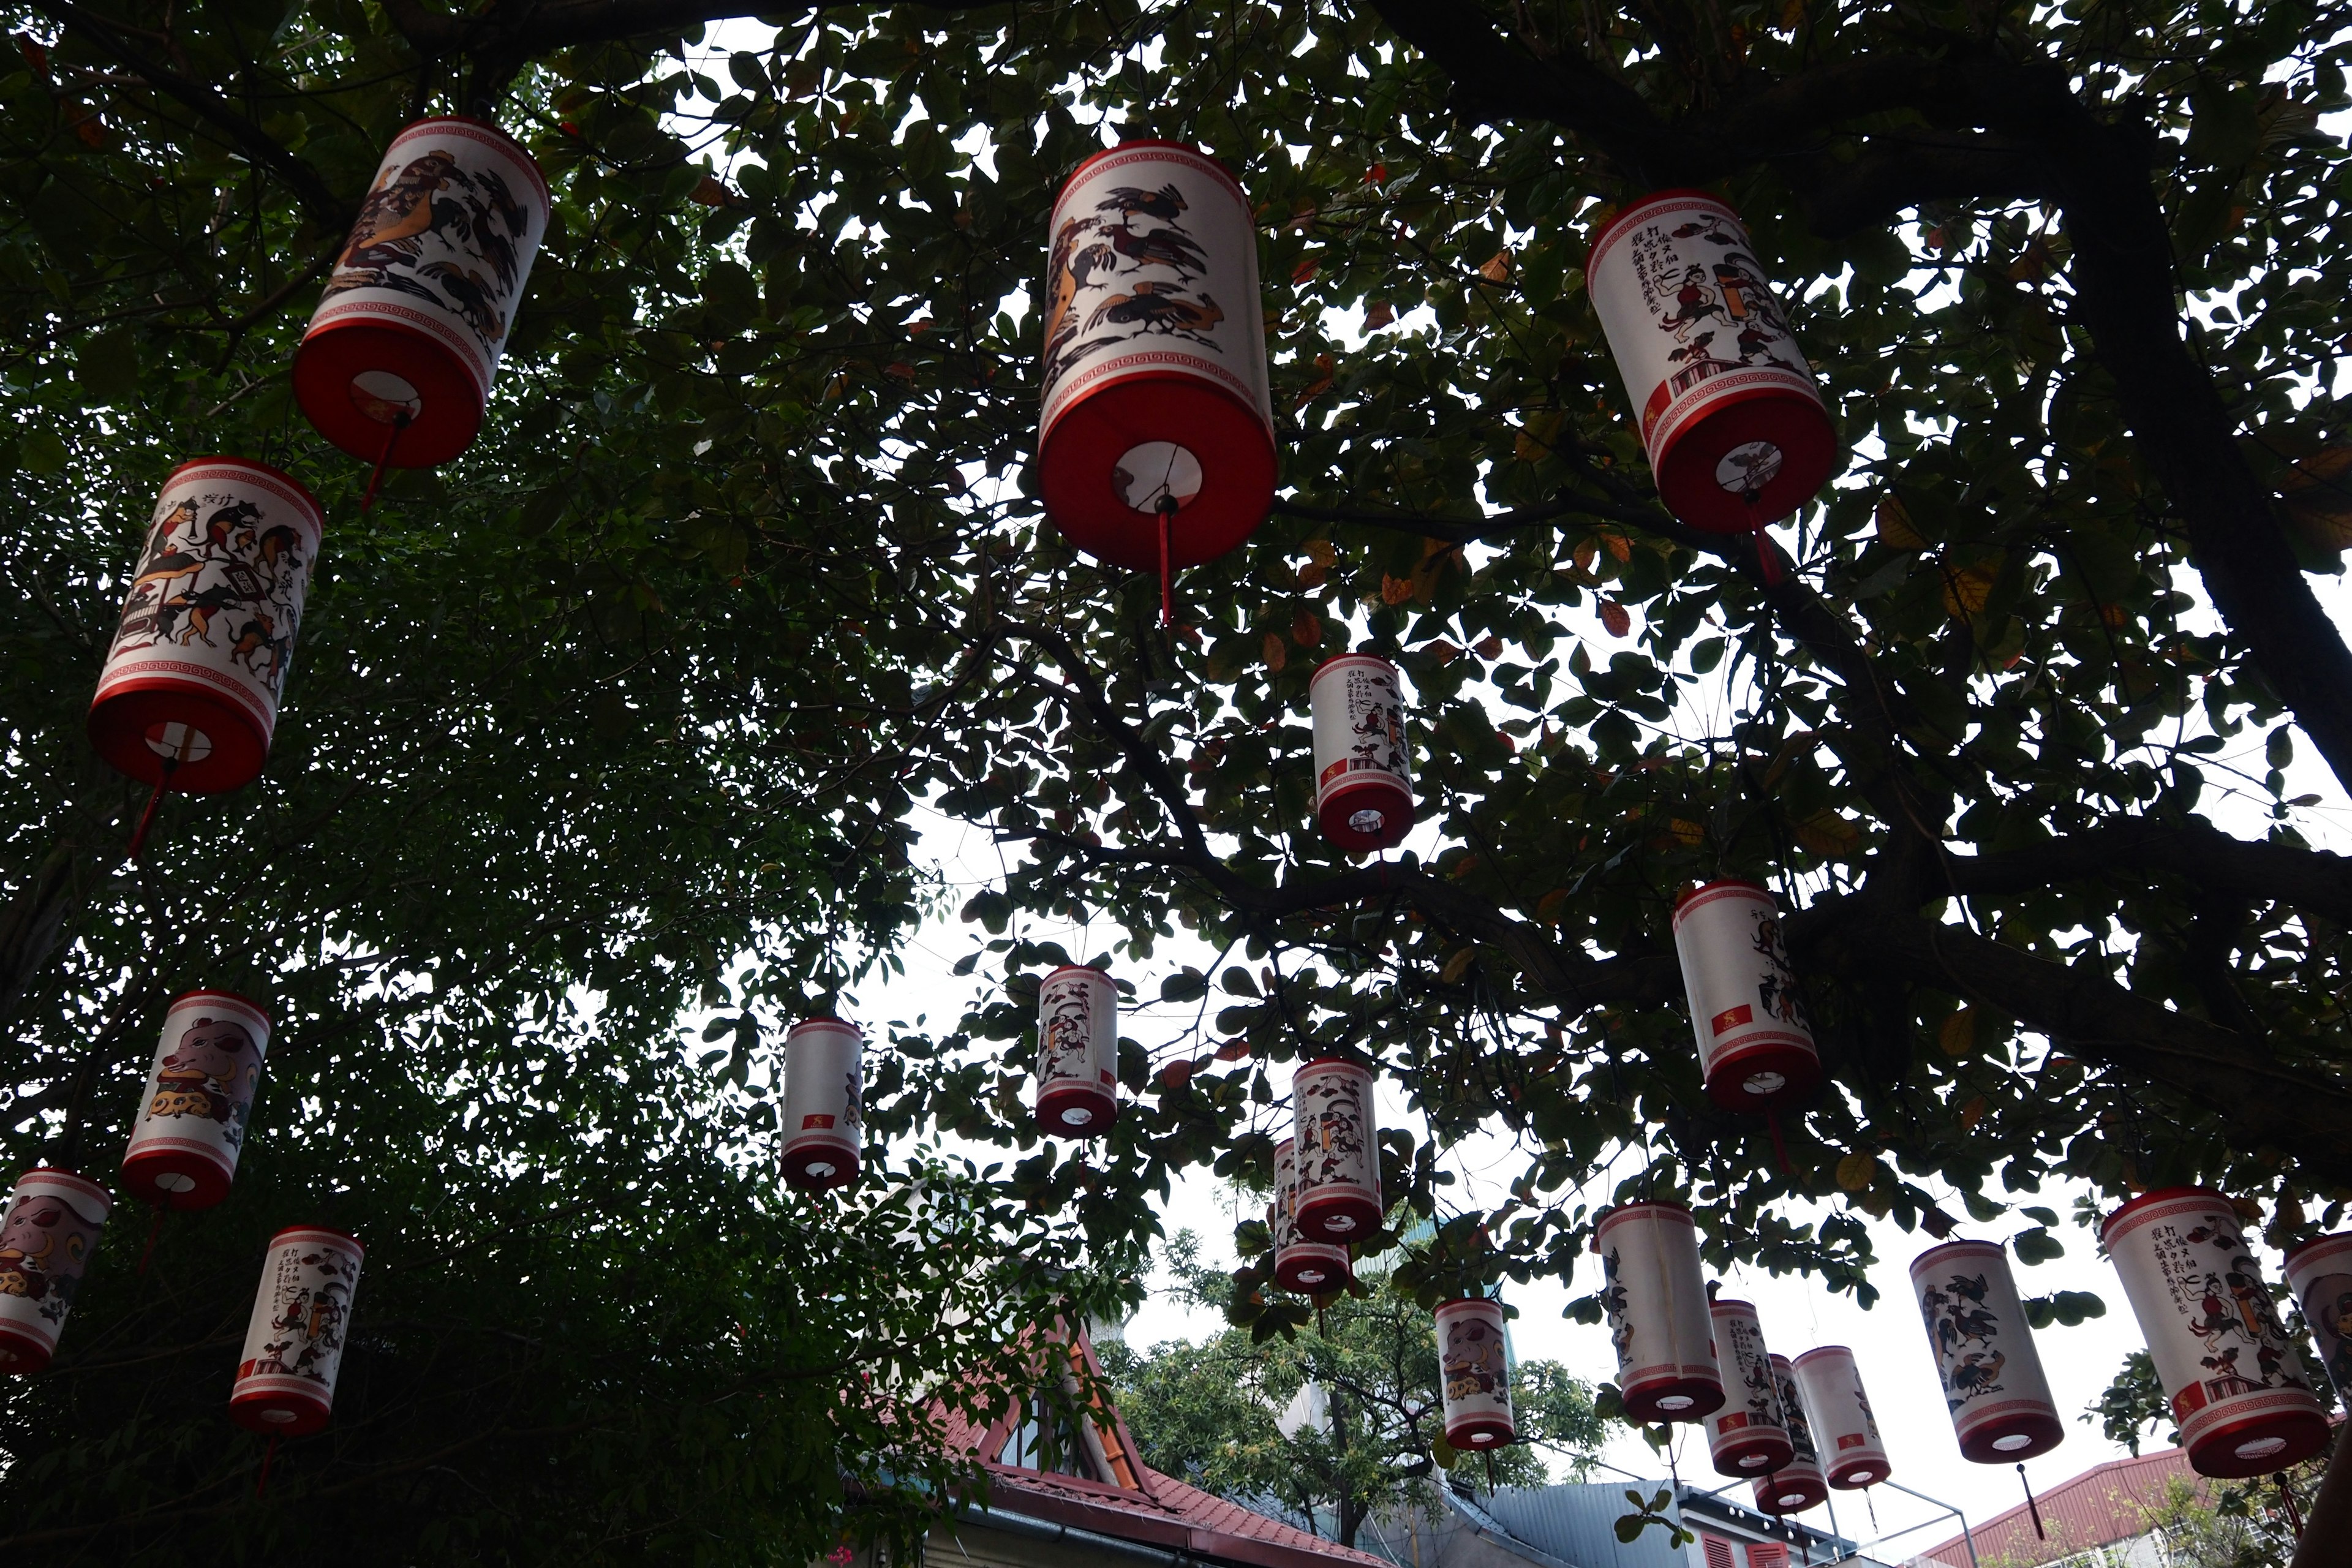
(1075, 1110)
(1476, 1433)
(818, 1166)
(2014, 1437)
(1790, 1494)
(20, 1353)
(1700, 457)
(1078, 465)
(213, 742)
(174, 1178)
(1312, 1270)
(278, 1413)
(1337, 1216)
(354, 378)
(1765, 1076)
(1754, 1458)
(1362, 817)
(1674, 1399)
(1855, 1478)
(2259, 1445)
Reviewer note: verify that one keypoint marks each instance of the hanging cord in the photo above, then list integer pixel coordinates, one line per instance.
(2031, 1506)
(147, 817)
(268, 1454)
(1780, 1148)
(1167, 509)
(1766, 561)
(2293, 1512)
(399, 422)
(154, 1230)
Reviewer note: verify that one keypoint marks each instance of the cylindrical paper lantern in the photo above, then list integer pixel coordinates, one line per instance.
(1734, 430)
(1655, 1299)
(1750, 1435)
(1853, 1453)
(1755, 1044)
(1363, 795)
(1155, 383)
(1310, 1268)
(2238, 1388)
(1477, 1374)
(416, 312)
(1993, 1387)
(822, 1078)
(1799, 1484)
(1077, 1051)
(51, 1228)
(200, 655)
(1338, 1151)
(2320, 1273)
(294, 1342)
(199, 1101)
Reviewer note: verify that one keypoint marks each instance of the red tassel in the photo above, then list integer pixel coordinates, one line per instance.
(1780, 1149)
(1768, 560)
(2293, 1512)
(390, 441)
(153, 1231)
(2031, 1506)
(1167, 578)
(266, 1455)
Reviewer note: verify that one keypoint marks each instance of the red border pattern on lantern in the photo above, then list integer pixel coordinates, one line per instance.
(1208, 370)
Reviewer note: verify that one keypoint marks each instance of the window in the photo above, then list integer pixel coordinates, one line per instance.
(1768, 1554)
(1717, 1550)
(1042, 1439)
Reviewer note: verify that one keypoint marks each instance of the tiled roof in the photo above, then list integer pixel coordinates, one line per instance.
(1158, 1510)
(2105, 1504)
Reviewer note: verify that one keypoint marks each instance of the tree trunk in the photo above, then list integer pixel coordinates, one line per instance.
(2327, 1534)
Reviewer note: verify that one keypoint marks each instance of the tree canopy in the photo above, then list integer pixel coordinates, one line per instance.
(629, 711)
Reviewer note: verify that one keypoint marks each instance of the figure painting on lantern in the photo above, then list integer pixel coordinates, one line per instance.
(1956, 1318)
(211, 1073)
(1128, 271)
(1776, 983)
(1332, 1134)
(212, 562)
(309, 1321)
(43, 1245)
(1066, 1050)
(1475, 1363)
(2330, 1300)
(434, 230)
(1612, 1306)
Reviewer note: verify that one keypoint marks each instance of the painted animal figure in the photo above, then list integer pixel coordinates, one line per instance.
(277, 544)
(1159, 307)
(1074, 266)
(1978, 1325)
(201, 608)
(181, 516)
(1160, 247)
(1163, 204)
(167, 567)
(1979, 1372)
(1970, 1289)
(253, 638)
(471, 293)
(394, 217)
(225, 522)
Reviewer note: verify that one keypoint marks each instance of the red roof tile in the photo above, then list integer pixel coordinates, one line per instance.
(2105, 1504)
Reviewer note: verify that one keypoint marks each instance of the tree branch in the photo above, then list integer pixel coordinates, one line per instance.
(2309, 880)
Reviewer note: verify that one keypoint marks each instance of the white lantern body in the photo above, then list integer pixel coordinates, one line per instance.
(1156, 401)
(1991, 1376)
(198, 1102)
(2238, 1389)
(1077, 1051)
(1655, 1297)
(2320, 1273)
(200, 654)
(415, 314)
(1474, 1362)
(1734, 427)
(1799, 1484)
(1363, 793)
(1845, 1426)
(1338, 1151)
(1755, 1043)
(1310, 1268)
(46, 1241)
(1750, 1435)
(294, 1341)
(823, 1077)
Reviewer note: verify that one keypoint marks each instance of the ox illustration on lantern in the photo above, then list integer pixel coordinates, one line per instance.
(1474, 1357)
(46, 1241)
(198, 1102)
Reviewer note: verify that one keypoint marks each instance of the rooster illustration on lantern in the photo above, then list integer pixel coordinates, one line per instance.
(212, 572)
(1776, 983)
(1103, 271)
(1956, 1318)
(1612, 1305)
(432, 229)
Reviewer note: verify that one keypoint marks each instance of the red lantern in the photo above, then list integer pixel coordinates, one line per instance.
(189, 694)
(198, 1102)
(1798, 1484)
(1338, 1151)
(397, 365)
(294, 1341)
(1476, 1369)
(1077, 1051)
(1750, 1435)
(1156, 445)
(1843, 1423)
(1655, 1299)
(1755, 1044)
(821, 1082)
(2320, 1273)
(1992, 1380)
(2238, 1389)
(46, 1241)
(1309, 1267)
(1363, 795)
(1734, 430)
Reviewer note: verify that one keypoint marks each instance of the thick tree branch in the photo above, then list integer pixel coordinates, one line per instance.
(2310, 879)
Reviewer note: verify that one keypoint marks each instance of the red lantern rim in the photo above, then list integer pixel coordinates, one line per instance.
(2287, 1260)
(1459, 1302)
(500, 131)
(2218, 1448)
(1624, 1212)
(1854, 1478)
(2161, 1195)
(318, 514)
(1803, 1356)
(1733, 1303)
(823, 1020)
(1091, 159)
(2042, 1427)
(1077, 969)
(225, 995)
(1948, 1248)
(1335, 1062)
(1338, 659)
(318, 1230)
(1706, 1397)
(61, 1173)
(1656, 198)
(1692, 891)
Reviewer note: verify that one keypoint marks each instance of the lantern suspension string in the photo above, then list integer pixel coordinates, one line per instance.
(147, 817)
(154, 1230)
(1167, 578)
(2293, 1512)
(1780, 1148)
(392, 440)
(1767, 562)
(2031, 1507)
(268, 1454)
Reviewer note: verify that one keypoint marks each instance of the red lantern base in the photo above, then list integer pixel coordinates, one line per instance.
(1791, 1493)
(1080, 456)
(21, 1355)
(1854, 1478)
(2262, 1443)
(1692, 471)
(1754, 1456)
(1312, 1270)
(1337, 1216)
(1075, 1109)
(291, 1412)
(1362, 817)
(354, 380)
(169, 1178)
(132, 728)
(1765, 1076)
(2012, 1438)
(1674, 1399)
(1473, 1434)
(816, 1166)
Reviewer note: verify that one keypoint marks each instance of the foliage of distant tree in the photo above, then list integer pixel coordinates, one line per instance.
(2234, 1524)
